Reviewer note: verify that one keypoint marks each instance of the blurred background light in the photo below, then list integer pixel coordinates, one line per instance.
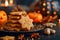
(49, 6)
(56, 5)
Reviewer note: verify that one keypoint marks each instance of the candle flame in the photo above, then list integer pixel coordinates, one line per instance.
(6, 3)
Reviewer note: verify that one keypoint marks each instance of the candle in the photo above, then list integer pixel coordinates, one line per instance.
(59, 23)
(11, 1)
(6, 2)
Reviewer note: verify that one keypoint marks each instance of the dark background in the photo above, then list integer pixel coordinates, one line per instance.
(28, 2)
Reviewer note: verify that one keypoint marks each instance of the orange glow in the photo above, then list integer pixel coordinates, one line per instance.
(59, 20)
(48, 12)
(6, 2)
(51, 17)
(54, 12)
(11, 1)
(43, 9)
(38, 11)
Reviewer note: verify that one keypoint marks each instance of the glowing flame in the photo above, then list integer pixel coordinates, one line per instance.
(6, 2)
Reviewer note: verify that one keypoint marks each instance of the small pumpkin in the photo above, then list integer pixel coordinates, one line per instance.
(3, 17)
(32, 15)
(37, 17)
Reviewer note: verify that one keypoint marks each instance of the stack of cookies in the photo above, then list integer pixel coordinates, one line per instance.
(19, 20)
(14, 21)
(14, 17)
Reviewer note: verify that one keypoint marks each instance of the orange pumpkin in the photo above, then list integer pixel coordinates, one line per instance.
(32, 15)
(3, 17)
(37, 17)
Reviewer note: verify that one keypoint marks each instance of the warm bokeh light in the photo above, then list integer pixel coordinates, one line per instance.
(59, 20)
(6, 2)
(54, 12)
(48, 7)
(38, 11)
(52, 3)
(51, 17)
(48, 12)
(44, 4)
(11, 1)
(43, 9)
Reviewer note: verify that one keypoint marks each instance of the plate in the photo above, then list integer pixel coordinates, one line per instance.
(35, 29)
